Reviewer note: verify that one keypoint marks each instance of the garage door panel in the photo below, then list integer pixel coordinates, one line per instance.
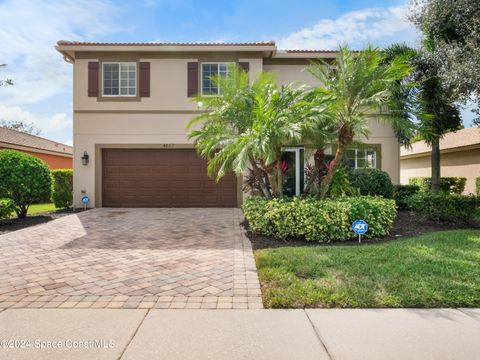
(162, 178)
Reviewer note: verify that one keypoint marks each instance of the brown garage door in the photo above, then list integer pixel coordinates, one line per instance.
(162, 178)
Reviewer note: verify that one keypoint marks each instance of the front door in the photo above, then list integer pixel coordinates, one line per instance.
(293, 167)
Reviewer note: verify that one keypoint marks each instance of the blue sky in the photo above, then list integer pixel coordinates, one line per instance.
(42, 93)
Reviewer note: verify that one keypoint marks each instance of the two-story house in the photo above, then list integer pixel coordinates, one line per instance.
(132, 101)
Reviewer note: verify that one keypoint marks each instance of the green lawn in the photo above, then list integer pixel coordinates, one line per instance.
(39, 208)
(436, 270)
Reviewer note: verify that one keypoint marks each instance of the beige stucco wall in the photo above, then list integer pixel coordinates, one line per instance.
(465, 163)
(159, 121)
(383, 135)
(292, 74)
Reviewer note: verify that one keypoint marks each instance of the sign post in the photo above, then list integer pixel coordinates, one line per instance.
(360, 227)
(85, 201)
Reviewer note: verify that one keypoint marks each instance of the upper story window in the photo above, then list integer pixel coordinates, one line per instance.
(119, 79)
(362, 158)
(209, 71)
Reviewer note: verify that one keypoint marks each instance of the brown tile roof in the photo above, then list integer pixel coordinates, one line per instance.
(90, 43)
(14, 137)
(451, 140)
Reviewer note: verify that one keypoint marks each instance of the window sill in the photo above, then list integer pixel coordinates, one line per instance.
(119, 98)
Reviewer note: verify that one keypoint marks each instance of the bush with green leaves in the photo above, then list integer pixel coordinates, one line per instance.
(402, 194)
(7, 207)
(372, 182)
(477, 185)
(62, 188)
(449, 185)
(319, 220)
(444, 207)
(24, 179)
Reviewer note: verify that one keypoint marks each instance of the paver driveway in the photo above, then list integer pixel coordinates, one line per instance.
(131, 258)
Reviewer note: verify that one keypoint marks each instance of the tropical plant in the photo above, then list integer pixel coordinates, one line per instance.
(248, 124)
(358, 85)
(426, 96)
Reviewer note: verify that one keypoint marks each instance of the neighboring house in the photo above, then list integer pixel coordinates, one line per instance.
(131, 104)
(55, 155)
(459, 156)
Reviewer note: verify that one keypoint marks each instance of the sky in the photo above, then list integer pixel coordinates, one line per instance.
(42, 93)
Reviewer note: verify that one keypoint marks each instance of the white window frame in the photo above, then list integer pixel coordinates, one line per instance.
(212, 63)
(375, 165)
(119, 63)
(298, 166)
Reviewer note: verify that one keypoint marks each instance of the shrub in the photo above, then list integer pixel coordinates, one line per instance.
(372, 182)
(7, 207)
(449, 185)
(24, 179)
(341, 184)
(319, 220)
(444, 207)
(402, 194)
(477, 186)
(62, 189)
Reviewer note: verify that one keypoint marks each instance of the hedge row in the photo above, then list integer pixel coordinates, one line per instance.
(449, 185)
(402, 195)
(477, 185)
(319, 220)
(444, 207)
(62, 190)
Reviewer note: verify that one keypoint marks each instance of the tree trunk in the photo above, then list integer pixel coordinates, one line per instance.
(435, 163)
(260, 176)
(22, 212)
(345, 138)
(279, 173)
(314, 181)
(272, 178)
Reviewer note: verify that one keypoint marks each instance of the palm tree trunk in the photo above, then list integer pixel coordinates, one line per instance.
(313, 183)
(345, 138)
(279, 173)
(259, 174)
(435, 164)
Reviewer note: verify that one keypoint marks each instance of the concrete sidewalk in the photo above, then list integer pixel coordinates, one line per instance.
(240, 334)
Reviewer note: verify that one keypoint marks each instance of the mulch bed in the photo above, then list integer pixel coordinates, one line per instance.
(15, 224)
(407, 224)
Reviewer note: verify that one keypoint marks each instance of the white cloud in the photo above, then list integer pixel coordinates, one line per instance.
(29, 31)
(28, 34)
(57, 127)
(356, 28)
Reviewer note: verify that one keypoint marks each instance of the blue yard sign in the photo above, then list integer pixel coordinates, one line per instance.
(360, 227)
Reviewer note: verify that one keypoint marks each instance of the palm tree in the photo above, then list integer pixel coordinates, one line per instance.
(359, 84)
(319, 134)
(427, 98)
(249, 124)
